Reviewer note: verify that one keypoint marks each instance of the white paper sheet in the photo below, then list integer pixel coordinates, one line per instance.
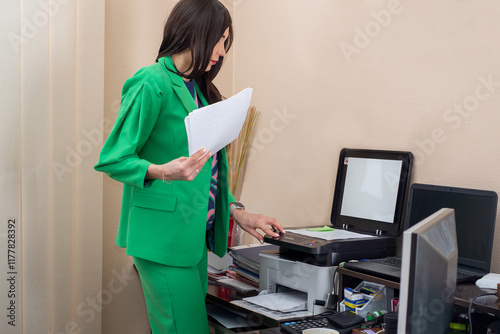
(215, 126)
(332, 235)
(489, 281)
(276, 315)
(283, 302)
(216, 262)
(235, 284)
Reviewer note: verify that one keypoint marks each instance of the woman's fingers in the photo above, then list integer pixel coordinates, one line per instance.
(196, 162)
(198, 154)
(186, 168)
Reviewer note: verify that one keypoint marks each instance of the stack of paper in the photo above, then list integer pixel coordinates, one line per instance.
(215, 126)
(246, 262)
(276, 315)
(217, 266)
(283, 302)
(331, 234)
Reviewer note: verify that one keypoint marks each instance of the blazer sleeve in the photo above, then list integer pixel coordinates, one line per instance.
(139, 110)
(231, 197)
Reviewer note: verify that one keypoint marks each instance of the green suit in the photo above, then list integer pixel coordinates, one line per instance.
(163, 222)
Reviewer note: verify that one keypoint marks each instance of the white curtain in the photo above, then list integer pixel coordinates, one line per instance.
(51, 94)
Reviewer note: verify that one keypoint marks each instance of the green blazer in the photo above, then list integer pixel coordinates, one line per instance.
(164, 222)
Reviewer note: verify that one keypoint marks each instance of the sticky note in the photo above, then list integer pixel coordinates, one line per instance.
(321, 229)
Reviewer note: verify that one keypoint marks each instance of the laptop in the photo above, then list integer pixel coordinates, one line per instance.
(475, 214)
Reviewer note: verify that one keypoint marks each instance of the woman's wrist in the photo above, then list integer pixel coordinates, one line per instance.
(237, 215)
(235, 206)
(155, 172)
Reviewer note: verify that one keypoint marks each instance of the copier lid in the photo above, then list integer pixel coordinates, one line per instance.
(371, 191)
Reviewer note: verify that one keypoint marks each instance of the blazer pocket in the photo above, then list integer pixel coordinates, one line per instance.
(154, 201)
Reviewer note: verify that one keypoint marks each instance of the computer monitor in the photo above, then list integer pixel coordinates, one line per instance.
(475, 217)
(428, 277)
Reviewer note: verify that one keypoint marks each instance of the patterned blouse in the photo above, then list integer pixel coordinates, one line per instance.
(213, 182)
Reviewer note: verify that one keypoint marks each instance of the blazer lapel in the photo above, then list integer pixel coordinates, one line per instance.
(179, 86)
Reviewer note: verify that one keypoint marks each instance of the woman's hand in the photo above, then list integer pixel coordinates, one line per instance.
(250, 222)
(183, 168)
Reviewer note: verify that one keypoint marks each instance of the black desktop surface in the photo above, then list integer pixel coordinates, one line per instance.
(375, 268)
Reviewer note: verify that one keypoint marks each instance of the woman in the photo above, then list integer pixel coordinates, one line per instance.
(175, 206)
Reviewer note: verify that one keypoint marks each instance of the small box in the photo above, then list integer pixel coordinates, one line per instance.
(348, 292)
(356, 304)
(378, 302)
(352, 295)
(368, 291)
(345, 319)
(394, 304)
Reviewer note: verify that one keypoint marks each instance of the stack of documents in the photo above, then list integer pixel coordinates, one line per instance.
(328, 233)
(217, 267)
(282, 302)
(215, 126)
(246, 262)
(292, 308)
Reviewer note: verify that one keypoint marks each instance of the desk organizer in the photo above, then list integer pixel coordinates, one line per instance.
(377, 302)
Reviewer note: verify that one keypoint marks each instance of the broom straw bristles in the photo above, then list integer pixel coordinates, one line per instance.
(237, 151)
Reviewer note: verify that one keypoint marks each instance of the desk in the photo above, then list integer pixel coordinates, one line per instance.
(463, 295)
(221, 296)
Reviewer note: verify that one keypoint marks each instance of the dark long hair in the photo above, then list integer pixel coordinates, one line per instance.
(197, 26)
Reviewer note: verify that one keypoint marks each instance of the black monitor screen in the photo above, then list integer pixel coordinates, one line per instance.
(475, 214)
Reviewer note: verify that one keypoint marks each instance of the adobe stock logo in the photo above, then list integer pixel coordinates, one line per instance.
(30, 27)
(279, 121)
(93, 305)
(372, 29)
(91, 139)
(454, 117)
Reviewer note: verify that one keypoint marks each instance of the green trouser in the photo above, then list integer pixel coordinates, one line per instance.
(175, 296)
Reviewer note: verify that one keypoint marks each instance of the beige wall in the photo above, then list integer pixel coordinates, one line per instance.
(399, 91)
(133, 34)
(51, 93)
(399, 88)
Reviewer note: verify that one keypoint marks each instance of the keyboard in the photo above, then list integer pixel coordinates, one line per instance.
(390, 261)
(462, 274)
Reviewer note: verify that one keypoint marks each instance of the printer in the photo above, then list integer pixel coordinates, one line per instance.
(281, 275)
(367, 216)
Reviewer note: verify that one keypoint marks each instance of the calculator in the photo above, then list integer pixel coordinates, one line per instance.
(296, 327)
(343, 323)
